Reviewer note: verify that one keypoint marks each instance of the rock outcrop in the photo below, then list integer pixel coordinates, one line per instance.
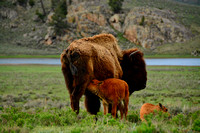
(152, 27)
(148, 27)
(87, 19)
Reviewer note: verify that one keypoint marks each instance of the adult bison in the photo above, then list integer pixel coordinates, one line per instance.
(99, 57)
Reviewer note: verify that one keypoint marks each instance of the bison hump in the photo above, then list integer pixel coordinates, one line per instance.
(107, 41)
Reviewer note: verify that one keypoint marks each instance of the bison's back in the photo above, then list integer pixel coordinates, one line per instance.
(115, 88)
(99, 60)
(105, 40)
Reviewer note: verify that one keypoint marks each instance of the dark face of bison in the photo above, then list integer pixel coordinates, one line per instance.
(134, 69)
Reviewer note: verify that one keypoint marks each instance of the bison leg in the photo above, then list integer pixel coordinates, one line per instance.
(74, 104)
(121, 108)
(105, 106)
(75, 97)
(114, 109)
(92, 102)
(110, 110)
(126, 101)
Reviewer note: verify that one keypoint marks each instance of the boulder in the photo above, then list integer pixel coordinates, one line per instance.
(49, 17)
(115, 22)
(25, 35)
(97, 18)
(48, 41)
(195, 52)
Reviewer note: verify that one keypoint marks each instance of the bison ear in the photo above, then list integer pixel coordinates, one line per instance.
(160, 105)
(74, 56)
(64, 58)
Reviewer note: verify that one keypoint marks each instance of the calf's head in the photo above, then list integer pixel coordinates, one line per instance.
(163, 108)
(94, 85)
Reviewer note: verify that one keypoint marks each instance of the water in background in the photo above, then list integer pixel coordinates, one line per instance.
(153, 62)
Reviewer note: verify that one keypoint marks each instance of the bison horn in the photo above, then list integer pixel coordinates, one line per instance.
(133, 53)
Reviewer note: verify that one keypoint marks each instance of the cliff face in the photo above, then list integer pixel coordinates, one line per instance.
(152, 27)
(157, 27)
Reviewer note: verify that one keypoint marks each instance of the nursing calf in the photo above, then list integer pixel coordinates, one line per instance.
(112, 91)
(148, 108)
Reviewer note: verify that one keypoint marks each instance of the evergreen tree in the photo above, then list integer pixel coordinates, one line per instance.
(142, 21)
(22, 2)
(59, 16)
(116, 5)
(31, 3)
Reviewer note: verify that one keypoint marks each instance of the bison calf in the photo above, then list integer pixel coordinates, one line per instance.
(112, 91)
(148, 108)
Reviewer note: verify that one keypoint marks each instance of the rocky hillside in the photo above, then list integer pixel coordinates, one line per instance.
(159, 27)
(148, 25)
(194, 2)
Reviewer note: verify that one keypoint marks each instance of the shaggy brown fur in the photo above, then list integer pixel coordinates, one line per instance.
(85, 60)
(134, 69)
(148, 108)
(99, 57)
(106, 40)
(112, 91)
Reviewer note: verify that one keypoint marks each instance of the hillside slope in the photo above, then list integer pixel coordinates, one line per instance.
(165, 22)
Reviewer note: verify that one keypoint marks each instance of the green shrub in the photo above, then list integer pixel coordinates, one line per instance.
(196, 125)
(145, 128)
(6, 3)
(142, 21)
(40, 15)
(20, 122)
(195, 115)
(148, 117)
(31, 3)
(180, 120)
(116, 5)
(22, 2)
(133, 117)
(76, 130)
(53, 4)
(113, 122)
(58, 17)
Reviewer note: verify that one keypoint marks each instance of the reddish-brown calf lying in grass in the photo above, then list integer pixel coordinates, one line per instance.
(148, 108)
(112, 91)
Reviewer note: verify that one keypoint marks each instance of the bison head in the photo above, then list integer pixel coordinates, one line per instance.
(134, 69)
(163, 108)
(94, 85)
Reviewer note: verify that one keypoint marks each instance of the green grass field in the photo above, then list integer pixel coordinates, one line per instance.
(33, 98)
